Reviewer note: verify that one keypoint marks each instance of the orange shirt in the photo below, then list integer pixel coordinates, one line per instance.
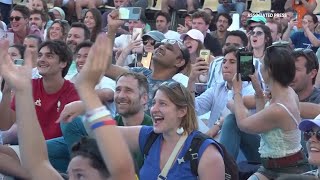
(301, 10)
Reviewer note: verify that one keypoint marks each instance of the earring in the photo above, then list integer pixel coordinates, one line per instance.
(180, 131)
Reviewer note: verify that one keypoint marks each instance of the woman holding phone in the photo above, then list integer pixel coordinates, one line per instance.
(277, 119)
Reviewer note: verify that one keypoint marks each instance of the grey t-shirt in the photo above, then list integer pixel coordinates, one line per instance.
(314, 97)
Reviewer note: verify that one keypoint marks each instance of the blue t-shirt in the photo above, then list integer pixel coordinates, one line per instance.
(151, 167)
(153, 84)
(299, 40)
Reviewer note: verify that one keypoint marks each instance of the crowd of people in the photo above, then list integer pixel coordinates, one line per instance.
(87, 95)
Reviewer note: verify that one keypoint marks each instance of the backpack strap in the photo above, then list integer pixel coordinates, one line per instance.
(192, 154)
(150, 140)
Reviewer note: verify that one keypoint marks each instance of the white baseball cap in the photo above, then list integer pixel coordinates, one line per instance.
(194, 34)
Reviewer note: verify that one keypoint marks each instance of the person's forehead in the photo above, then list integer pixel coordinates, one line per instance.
(127, 81)
(301, 59)
(56, 25)
(76, 30)
(35, 15)
(230, 56)
(16, 13)
(46, 50)
(234, 39)
(84, 50)
(198, 19)
(30, 41)
(222, 18)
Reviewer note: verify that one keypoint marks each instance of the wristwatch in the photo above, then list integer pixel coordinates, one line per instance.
(218, 123)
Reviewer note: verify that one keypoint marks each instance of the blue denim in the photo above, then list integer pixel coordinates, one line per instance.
(239, 7)
(59, 149)
(73, 131)
(233, 139)
(58, 154)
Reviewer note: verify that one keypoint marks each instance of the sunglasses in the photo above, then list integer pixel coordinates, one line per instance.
(257, 33)
(182, 47)
(173, 85)
(308, 54)
(17, 18)
(308, 134)
(152, 42)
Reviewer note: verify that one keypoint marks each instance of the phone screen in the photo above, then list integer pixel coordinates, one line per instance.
(205, 54)
(146, 60)
(18, 62)
(137, 32)
(246, 67)
(129, 13)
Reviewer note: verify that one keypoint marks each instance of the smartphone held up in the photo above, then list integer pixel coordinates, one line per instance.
(245, 64)
(129, 13)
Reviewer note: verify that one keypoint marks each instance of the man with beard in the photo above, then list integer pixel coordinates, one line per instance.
(77, 34)
(223, 23)
(131, 96)
(38, 20)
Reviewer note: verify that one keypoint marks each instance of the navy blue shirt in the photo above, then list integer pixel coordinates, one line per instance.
(299, 40)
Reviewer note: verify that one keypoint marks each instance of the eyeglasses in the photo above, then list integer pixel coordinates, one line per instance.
(257, 33)
(182, 47)
(17, 18)
(308, 134)
(173, 85)
(152, 42)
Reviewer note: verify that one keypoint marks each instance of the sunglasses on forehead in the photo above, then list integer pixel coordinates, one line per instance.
(182, 47)
(308, 134)
(173, 85)
(308, 54)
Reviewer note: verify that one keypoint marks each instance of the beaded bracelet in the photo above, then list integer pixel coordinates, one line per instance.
(103, 123)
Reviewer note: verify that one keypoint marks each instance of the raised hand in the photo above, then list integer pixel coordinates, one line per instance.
(198, 68)
(237, 83)
(256, 84)
(18, 77)
(71, 111)
(114, 22)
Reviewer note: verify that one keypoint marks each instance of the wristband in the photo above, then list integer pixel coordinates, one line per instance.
(96, 110)
(97, 113)
(103, 123)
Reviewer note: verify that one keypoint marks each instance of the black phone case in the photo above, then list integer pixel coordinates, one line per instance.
(245, 75)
